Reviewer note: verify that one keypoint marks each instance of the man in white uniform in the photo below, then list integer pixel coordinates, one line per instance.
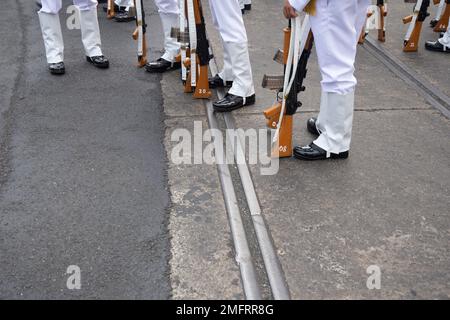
(53, 39)
(442, 44)
(336, 27)
(236, 72)
(169, 14)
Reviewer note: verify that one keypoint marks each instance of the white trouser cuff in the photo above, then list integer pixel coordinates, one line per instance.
(52, 35)
(171, 46)
(241, 67)
(445, 40)
(90, 32)
(335, 122)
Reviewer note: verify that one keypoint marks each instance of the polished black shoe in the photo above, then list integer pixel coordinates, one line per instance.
(311, 126)
(231, 102)
(124, 16)
(436, 46)
(99, 61)
(57, 68)
(313, 152)
(248, 7)
(162, 65)
(217, 82)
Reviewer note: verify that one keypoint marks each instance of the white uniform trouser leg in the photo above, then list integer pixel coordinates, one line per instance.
(336, 28)
(227, 71)
(51, 28)
(445, 40)
(227, 18)
(90, 31)
(169, 14)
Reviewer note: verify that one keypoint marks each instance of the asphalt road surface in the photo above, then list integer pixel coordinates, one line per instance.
(82, 166)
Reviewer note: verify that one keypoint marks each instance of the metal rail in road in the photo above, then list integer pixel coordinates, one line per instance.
(278, 285)
(432, 94)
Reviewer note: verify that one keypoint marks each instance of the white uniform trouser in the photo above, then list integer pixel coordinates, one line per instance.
(336, 28)
(227, 18)
(445, 40)
(52, 34)
(169, 14)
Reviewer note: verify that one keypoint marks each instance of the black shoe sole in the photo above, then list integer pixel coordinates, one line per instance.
(57, 72)
(100, 66)
(120, 20)
(437, 49)
(333, 156)
(250, 101)
(175, 66)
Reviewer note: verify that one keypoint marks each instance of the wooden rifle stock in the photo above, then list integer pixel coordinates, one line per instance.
(197, 70)
(140, 32)
(283, 147)
(381, 4)
(442, 23)
(381, 22)
(412, 38)
(110, 12)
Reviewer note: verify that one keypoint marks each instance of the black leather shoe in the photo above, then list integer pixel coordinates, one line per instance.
(248, 7)
(217, 82)
(99, 61)
(231, 102)
(124, 16)
(311, 126)
(436, 46)
(57, 68)
(313, 152)
(162, 65)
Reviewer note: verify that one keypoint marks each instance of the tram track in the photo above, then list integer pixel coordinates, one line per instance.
(253, 282)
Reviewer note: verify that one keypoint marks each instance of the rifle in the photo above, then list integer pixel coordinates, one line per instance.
(139, 33)
(381, 23)
(411, 41)
(197, 62)
(382, 6)
(183, 40)
(440, 23)
(280, 115)
(181, 33)
(110, 12)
